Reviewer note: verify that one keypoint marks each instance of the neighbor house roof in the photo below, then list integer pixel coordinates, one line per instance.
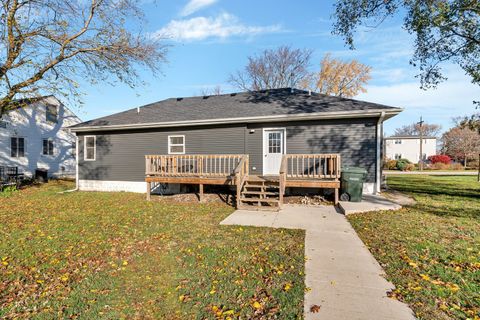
(256, 106)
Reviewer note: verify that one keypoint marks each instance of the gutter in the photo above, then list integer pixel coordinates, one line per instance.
(272, 118)
(378, 180)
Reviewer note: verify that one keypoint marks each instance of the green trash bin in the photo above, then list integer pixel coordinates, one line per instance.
(352, 184)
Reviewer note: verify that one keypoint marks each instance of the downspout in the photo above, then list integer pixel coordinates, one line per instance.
(378, 180)
(76, 168)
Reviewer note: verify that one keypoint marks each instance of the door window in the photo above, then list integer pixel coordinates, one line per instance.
(274, 142)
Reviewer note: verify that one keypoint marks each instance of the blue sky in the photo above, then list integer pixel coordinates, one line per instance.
(210, 39)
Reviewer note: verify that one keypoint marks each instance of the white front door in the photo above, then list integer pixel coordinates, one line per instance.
(273, 150)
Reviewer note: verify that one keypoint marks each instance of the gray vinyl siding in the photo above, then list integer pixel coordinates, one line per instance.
(354, 139)
(120, 156)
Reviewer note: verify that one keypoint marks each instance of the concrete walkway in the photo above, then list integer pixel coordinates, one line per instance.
(344, 278)
(368, 203)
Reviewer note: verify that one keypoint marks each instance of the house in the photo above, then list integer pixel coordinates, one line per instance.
(263, 142)
(36, 136)
(408, 147)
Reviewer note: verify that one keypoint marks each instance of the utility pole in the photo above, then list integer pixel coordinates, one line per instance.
(420, 123)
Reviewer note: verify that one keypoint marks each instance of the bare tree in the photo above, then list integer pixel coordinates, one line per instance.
(339, 78)
(215, 91)
(461, 144)
(414, 129)
(276, 68)
(47, 45)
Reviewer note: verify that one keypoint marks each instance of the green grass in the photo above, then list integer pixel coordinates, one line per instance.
(90, 255)
(431, 250)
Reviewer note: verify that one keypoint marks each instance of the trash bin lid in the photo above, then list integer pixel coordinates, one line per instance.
(354, 170)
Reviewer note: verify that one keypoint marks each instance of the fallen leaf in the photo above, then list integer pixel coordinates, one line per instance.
(315, 308)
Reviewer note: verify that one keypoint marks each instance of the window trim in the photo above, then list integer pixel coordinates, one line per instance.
(48, 147)
(85, 148)
(176, 144)
(24, 147)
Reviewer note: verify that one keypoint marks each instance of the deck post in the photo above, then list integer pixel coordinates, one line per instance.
(200, 192)
(149, 188)
(336, 196)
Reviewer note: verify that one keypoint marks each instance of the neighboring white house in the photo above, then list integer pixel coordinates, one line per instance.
(36, 136)
(408, 147)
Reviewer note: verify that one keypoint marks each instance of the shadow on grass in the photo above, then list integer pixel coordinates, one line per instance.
(432, 187)
(472, 212)
(443, 196)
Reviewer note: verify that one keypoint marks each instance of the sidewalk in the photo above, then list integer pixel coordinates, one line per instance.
(344, 279)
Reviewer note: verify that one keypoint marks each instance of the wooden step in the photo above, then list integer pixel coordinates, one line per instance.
(266, 193)
(264, 182)
(258, 208)
(266, 200)
(262, 185)
(259, 193)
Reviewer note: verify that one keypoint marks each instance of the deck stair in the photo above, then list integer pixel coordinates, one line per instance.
(260, 193)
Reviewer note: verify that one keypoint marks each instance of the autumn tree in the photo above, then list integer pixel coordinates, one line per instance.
(339, 78)
(443, 30)
(414, 129)
(472, 122)
(46, 46)
(274, 68)
(462, 144)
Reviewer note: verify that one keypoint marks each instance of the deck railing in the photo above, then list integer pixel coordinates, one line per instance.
(241, 175)
(308, 166)
(221, 165)
(311, 166)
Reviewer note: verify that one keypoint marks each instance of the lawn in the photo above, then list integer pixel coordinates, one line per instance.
(92, 255)
(431, 250)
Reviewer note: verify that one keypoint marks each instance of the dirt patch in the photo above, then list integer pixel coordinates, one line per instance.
(225, 198)
(399, 197)
(194, 198)
(312, 200)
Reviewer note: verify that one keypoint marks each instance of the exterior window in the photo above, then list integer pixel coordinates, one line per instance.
(51, 114)
(176, 144)
(47, 147)
(398, 141)
(398, 156)
(17, 147)
(274, 142)
(90, 148)
(73, 150)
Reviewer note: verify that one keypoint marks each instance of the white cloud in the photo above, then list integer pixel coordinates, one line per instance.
(194, 5)
(222, 26)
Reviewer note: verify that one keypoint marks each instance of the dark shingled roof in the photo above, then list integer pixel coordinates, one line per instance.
(235, 105)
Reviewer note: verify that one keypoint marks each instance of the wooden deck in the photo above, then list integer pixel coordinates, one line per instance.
(296, 170)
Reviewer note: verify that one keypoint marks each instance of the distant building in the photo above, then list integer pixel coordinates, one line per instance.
(408, 147)
(36, 136)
